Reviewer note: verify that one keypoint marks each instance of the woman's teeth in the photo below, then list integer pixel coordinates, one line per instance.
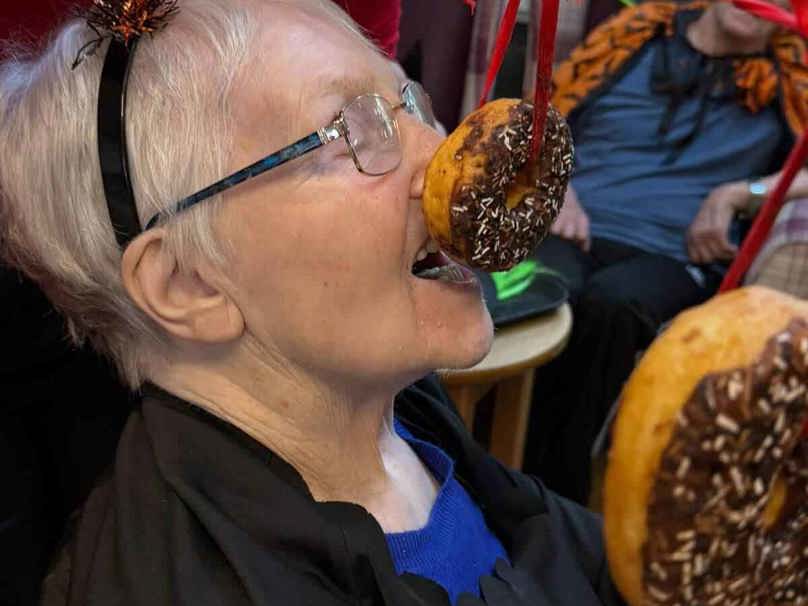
(432, 264)
(444, 273)
(430, 248)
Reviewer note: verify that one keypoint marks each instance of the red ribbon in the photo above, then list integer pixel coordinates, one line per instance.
(545, 49)
(501, 44)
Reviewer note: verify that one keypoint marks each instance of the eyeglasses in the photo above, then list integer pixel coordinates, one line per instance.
(367, 124)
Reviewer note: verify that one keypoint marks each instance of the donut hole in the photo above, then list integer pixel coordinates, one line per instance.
(516, 193)
(523, 185)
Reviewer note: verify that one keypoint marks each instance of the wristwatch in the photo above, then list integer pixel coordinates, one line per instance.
(758, 191)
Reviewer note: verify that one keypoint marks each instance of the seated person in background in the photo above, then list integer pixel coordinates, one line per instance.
(680, 116)
(278, 455)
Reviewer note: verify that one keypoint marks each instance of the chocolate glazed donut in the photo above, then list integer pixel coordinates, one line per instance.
(485, 202)
(706, 492)
(730, 502)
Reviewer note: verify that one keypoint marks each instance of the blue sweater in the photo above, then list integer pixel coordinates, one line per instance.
(455, 548)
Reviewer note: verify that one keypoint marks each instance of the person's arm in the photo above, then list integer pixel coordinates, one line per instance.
(798, 189)
(572, 222)
(708, 234)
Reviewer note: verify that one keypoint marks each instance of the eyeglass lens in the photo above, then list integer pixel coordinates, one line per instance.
(373, 134)
(418, 103)
(372, 130)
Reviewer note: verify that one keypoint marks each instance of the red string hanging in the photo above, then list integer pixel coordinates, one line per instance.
(545, 50)
(501, 44)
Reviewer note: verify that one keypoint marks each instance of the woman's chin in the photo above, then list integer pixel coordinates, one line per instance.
(472, 345)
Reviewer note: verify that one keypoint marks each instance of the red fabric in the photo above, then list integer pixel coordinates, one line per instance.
(33, 19)
(380, 18)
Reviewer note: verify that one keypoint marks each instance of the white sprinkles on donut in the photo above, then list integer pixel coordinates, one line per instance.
(495, 236)
(739, 431)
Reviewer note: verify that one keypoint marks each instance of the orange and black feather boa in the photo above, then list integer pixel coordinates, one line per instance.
(605, 52)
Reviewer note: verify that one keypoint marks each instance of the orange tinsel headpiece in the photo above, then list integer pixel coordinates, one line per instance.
(124, 21)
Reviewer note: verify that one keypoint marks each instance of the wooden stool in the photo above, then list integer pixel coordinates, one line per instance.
(509, 367)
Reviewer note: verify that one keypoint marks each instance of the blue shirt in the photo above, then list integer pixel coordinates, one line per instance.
(624, 176)
(455, 548)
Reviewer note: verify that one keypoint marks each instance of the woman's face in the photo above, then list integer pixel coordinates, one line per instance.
(323, 254)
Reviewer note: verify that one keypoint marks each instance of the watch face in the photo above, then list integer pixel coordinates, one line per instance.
(757, 189)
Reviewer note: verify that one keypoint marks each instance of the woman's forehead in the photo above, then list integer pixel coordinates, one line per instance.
(328, 94)
(347, 86)
(314, 56)
(307, 68)
(296, 36)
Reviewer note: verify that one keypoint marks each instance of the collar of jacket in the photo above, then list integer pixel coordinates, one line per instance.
(218, 471)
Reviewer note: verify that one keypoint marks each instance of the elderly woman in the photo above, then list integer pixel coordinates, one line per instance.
(272, 322)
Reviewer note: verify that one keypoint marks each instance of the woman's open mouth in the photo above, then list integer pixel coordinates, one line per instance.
(432, 264)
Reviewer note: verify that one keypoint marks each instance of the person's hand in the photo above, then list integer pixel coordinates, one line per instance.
(572, 222)
(708, 234)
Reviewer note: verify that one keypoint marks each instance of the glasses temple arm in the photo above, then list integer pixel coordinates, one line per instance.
(290, 152)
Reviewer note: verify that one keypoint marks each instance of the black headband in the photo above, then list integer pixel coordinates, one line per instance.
(122, 22)
(112, 150)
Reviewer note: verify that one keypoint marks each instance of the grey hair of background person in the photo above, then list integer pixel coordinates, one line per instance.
(54, 224)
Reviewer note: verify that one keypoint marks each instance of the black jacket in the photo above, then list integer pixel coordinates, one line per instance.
(199, 513)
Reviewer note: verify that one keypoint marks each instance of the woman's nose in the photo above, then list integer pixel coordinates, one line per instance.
(426, 144)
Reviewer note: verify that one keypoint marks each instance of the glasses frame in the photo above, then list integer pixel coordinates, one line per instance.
(335, 130)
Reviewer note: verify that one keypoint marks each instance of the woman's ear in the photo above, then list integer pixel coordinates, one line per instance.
(186, 305)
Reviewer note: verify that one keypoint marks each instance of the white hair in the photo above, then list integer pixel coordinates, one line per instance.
(54, 223)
